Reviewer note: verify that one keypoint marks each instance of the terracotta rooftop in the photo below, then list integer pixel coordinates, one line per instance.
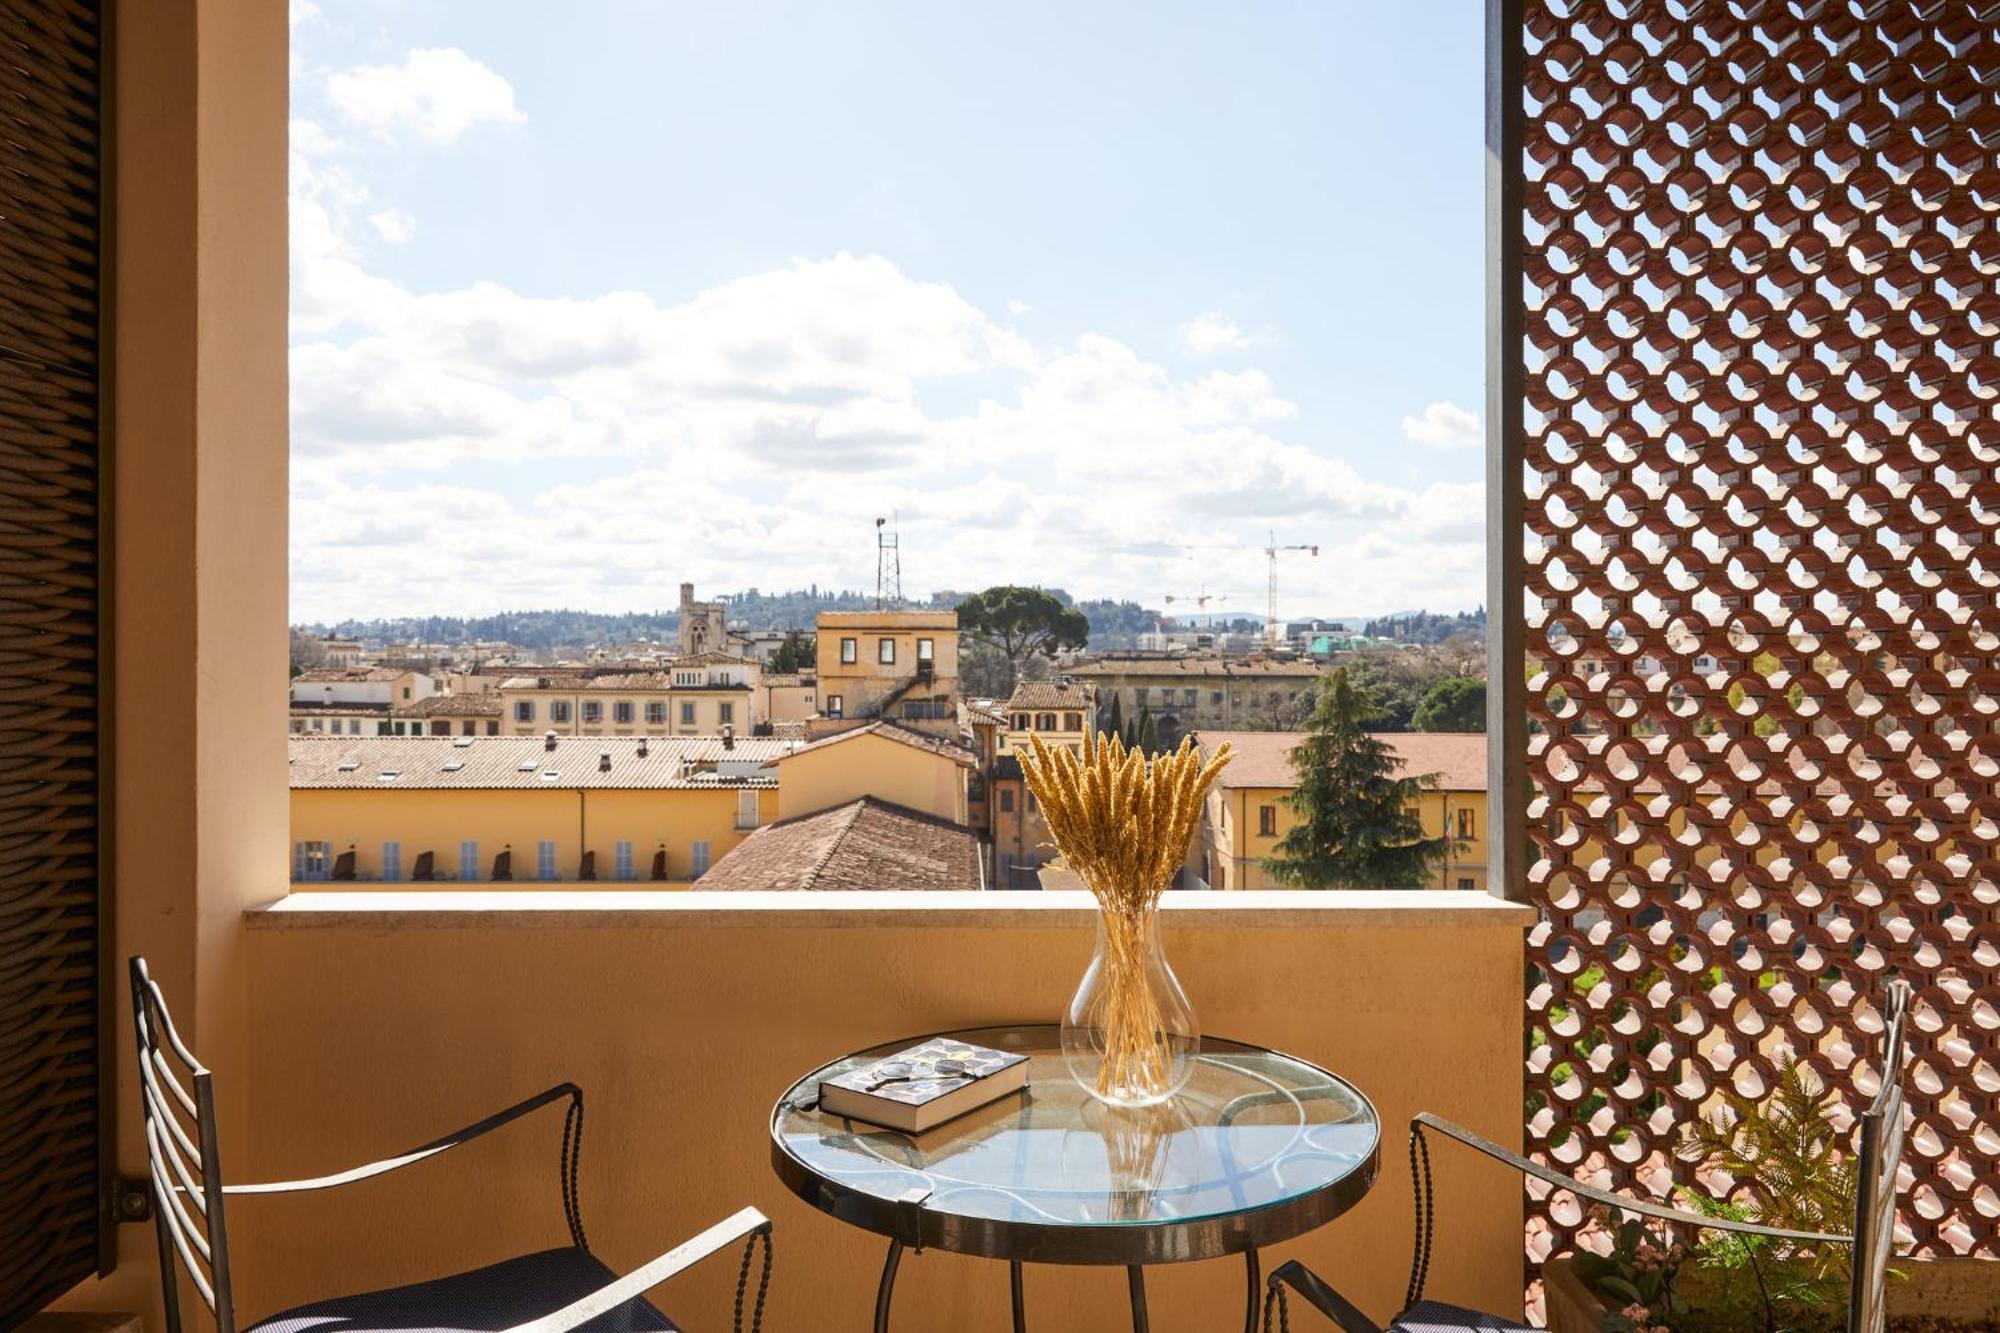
(893, 731)
(987, 711)
(444, 763)
(1231, 668)
(1264, 758)
(1051, 694)
(340, 709)
(347, 675)
(865, 844)
(888, 619)
(480, 703)
(633, 681)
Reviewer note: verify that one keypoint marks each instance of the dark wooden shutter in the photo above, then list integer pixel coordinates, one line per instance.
(54, 1093)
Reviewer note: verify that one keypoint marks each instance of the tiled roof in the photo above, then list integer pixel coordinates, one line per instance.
(865, 844)
(631, 681)
(990, 712)
(1051, 694)
(1264, 758)
(888, 620)
(347, 675)
(522, 762)
(1233, 668)
(338, 709)
(479, 703)
(894, 731)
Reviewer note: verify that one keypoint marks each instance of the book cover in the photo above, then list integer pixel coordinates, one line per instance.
(924, 1085)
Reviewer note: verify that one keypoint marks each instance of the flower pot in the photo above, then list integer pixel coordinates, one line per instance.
(1952, 1292)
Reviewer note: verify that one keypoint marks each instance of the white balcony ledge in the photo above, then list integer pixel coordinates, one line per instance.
(488, 906)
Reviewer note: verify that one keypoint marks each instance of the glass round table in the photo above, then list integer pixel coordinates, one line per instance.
(1260, 1147)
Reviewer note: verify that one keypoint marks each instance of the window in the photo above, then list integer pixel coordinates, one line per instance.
(885, 652)
(746, 807)
(593, 711)
(1032, 807)
(621, 712)
(656, 712)
(700, 860)
(1006, 800)
(726, 712)
(392, 861)
(849, 651)
(1465, 824)
(1072, 721)
(381, 728)
(1465, 881)
(1045, 722)
(492, 728)
(1215, 698)
(621, 860)
(833, 706)
(1020, 721)
(926, 650)
(1267, 821)
(468, 860)
(1188, 698)
(687, 712)
(545, 860)
(559, 710)
(310, 863)
(297, 726)
(524, 710)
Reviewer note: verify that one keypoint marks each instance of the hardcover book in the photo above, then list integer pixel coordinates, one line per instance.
(924, 1086)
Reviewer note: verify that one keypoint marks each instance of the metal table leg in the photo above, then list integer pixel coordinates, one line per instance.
(1256, 1290)
(1020, 1299)
(887, 1288)
(1135, 1278)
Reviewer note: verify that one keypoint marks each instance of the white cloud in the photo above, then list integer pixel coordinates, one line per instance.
(1444, 426)
(1213, 331)
(437, 93)
(303, 11)
(475, 448)
(393, 225)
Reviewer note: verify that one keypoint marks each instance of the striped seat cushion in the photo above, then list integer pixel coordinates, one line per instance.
(1437, 1317)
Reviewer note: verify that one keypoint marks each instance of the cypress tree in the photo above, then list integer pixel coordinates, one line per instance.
(1149, 736)
(1114, 723)
(1358, 826)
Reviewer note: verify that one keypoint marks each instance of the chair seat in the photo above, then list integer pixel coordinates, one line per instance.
(1437, 1317)
(484, 1300)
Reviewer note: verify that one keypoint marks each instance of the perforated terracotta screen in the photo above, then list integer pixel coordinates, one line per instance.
(1760, 266)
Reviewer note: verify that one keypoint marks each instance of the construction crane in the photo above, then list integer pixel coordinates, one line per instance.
(1271, 549)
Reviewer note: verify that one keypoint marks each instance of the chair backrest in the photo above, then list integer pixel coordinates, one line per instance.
(1881, 1155)
(182, 1159)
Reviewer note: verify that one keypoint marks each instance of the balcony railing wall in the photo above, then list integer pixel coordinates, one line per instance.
(382, 1019)
(1757, 448)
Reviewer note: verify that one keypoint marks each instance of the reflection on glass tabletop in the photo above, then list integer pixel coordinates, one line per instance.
(1253, 1129)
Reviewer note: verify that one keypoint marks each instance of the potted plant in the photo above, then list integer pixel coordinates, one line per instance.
(1785, 1166)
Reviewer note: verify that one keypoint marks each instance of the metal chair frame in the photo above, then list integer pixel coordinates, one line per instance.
(184, 1163)
(1879, 1154)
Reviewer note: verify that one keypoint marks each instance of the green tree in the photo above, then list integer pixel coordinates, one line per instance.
(1114, 719)
(1022, 622)
(1145, 735)
(1456, 703)
(1358, 826)
(798, 651)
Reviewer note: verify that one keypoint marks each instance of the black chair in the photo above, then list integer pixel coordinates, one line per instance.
(1879, 1155)
(551, 1291)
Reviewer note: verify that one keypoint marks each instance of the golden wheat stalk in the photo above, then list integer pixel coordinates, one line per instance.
(1122, 822)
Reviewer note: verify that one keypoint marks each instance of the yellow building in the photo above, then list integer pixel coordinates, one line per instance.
(885, 760)
(1061, 712)
(1199, 692)
(466, 809)
(901, 665)
(694, 696)
(787, 699)
(1247, 813)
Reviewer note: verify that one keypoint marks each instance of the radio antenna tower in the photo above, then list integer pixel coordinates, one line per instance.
(888, 567)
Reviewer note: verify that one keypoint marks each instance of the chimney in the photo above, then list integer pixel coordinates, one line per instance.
(728, 736)
(687, 767)
(642, 747)
(549, 741)
(604, 761)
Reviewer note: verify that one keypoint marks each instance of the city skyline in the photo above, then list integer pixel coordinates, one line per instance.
(1081, 314)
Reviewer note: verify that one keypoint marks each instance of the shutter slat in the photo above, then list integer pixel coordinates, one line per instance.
(52, 1128)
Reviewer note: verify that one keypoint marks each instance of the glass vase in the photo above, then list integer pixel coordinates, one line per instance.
(1129, 1035)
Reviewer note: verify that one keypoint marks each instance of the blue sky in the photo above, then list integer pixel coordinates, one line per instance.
(587, 305)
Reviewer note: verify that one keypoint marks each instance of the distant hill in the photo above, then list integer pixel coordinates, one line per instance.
(1112, 623)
